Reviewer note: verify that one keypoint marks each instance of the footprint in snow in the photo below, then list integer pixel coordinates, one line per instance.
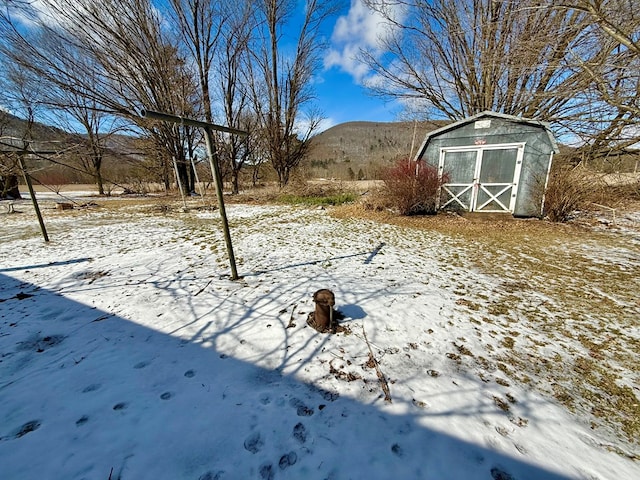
(521, 449)
(28, 427)
(330, 396)
(499, 474)
(397, 450)
(120, 406)
(166, 395)
(40, 344)
(267, 472)
(82, 420)
(265, 399)
(190, 373)
(300, 433)
(253, 443)
(301, 409)
(91, 388)
(287, 460)
(140, 365)
(212, 476)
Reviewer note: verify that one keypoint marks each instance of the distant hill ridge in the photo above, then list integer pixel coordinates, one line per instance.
(51, 137)
(341, 151)
(12, 126)
(367, 144)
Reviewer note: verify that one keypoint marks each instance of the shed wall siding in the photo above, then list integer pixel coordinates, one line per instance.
(535, 164)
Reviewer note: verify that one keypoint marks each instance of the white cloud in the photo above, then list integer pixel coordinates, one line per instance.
(27, 14)
(360, 24)
(347, 60)
(325, 124)
(36, 13)
(360, 29)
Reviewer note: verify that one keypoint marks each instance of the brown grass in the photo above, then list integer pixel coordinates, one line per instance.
(568, 295)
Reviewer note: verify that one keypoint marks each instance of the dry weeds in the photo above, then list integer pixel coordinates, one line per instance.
(565, 313)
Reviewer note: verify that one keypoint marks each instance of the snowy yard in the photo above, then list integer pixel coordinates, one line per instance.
(510, 351)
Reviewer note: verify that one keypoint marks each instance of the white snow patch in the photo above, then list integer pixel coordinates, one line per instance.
(125, 352)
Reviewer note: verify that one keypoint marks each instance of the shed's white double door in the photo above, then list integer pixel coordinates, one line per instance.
(480, 178)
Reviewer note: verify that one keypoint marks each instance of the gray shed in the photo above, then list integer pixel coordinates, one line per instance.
(493, 162)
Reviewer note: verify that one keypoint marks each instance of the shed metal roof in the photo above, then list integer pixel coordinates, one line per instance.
(487, 113)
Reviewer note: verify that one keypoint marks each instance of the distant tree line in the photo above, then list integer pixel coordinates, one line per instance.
(95, 64)
(249, 64)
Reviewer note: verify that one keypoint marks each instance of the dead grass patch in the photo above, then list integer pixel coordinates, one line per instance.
(575, 287)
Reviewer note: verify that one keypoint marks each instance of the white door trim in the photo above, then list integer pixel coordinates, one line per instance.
(476, 185)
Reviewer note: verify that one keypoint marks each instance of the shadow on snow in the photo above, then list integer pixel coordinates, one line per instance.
(88, 394)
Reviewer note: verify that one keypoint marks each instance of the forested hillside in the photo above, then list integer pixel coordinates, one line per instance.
(345, 151)
(12, 126)
(359, 149)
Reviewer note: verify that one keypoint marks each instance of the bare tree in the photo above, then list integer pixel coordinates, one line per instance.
(216, 35)
(574, 63)
(69, 107)
(130, 53)
(455, 58)
(614, 82)
(75, 111)
(20, 89)
(281, 82)
(617, 18)
(9, 168)
(199, 23)
(235, 94)
(8, 162)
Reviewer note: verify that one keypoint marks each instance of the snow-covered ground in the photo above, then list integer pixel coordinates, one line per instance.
(126, 352)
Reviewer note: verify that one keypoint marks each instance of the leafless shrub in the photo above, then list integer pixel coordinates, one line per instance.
(619, 194)
(411, 187)
(376, 201)
(570, 189)
(53, 180)
(137, 186)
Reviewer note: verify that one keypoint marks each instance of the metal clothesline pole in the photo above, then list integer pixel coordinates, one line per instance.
(215, 168)
(36, 207)
(179, 182)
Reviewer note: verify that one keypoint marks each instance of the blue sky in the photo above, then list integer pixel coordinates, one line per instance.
(342, 99)
(339, 85)
(341, 95)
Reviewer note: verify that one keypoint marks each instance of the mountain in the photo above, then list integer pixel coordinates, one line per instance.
(12, 126)
(360, 148)
(345, 151)
(50, 138)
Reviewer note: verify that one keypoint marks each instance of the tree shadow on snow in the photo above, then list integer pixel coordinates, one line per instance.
(88, 394)
(369, 258)
(45, 265)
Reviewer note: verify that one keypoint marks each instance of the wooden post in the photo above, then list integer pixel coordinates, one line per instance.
(179, 182)
(200, 187)
(27, 179)
(215, 171)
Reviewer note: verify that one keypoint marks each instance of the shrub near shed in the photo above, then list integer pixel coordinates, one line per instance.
(411, 187)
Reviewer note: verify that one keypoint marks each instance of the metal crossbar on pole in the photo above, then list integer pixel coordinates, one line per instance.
(189, 121)
(215, 169)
